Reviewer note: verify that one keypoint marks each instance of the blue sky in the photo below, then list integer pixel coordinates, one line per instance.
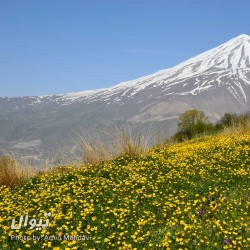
(60, 46)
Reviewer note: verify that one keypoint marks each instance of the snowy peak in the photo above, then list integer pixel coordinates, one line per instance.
(242, 37)
(234, 54)
(215, 67)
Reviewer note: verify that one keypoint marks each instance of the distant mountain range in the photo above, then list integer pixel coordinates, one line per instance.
(216, 82)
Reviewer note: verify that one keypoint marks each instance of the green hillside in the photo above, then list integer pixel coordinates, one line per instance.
(192, 195)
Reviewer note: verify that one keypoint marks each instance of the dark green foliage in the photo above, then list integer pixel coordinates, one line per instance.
(232, 120)
(191, 123)
(194, 122)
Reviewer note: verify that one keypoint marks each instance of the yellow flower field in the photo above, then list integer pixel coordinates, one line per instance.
(192, 195)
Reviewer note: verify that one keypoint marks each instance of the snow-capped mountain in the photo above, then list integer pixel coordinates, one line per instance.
(216, 81)
(210, 69)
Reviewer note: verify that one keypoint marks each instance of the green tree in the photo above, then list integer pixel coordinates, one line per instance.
(229, 120)
(190, 123)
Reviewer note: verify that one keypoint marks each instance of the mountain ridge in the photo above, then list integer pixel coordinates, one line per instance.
(236, 40)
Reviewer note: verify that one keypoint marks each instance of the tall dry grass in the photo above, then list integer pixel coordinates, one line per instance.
(129, 143)
(92, 150)
(120, 141)
(13, 172)
(238, 127)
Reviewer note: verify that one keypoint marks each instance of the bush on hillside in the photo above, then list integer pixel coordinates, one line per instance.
(233, 120)
(191, 123)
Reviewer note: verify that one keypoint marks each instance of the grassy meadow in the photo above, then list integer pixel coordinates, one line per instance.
(190, 195)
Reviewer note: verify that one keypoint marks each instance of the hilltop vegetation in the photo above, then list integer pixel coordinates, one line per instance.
(193, 123)
(191, 195)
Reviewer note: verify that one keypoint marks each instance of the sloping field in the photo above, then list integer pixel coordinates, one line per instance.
(193, 195)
